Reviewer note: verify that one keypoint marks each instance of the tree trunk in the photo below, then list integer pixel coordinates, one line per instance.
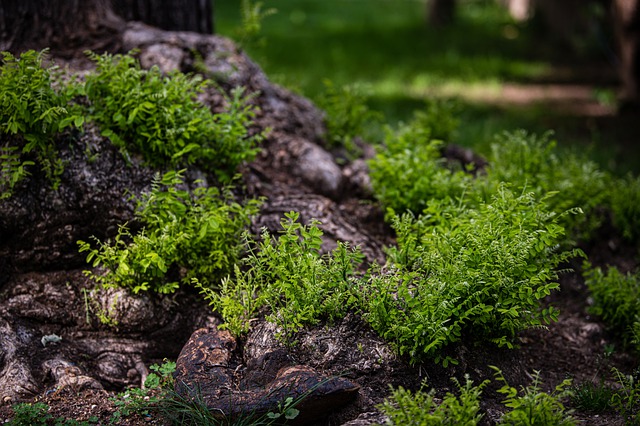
(626, 19)
(65, 26)
(170, 15)
(440, 12)
(72, 26)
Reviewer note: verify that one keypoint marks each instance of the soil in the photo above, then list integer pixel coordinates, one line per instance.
(48, 296)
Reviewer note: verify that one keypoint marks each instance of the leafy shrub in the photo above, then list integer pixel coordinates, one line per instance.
(420, 408)
(626, 400)
(143, 111)
(37, 414)
(589, 396)
(532, 406)
(289, 276)
(33, 110)
(458, 270)
(347, 116)
(439, 117)
(410, 171)
(616, 298)
(532, 163)
(625, 205)
(185, 236)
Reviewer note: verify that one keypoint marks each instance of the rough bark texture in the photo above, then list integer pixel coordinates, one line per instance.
(172, 15)
(205, 365)
(67, 27)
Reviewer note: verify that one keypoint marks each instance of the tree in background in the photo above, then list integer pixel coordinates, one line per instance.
(171, 15)
(69, 27)
(565, 20)
(626, 15)
(65, 26)
(440, 12)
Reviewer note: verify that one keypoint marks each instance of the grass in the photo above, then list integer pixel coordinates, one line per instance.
(387, 46)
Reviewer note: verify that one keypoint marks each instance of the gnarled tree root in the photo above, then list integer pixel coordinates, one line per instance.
(203, 371)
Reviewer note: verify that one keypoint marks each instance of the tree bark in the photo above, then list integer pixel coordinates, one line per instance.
(626, 18)
(72, 26)
(170, 15)
(65, 26)
(441, 12)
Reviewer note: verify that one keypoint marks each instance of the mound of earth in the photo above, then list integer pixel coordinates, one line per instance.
(54, 349)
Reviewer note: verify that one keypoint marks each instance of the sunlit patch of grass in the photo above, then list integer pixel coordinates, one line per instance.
(384, 43)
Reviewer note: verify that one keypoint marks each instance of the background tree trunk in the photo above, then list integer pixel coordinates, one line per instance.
(65, 26)
(440, 12)
(171, 15)
(626, 18)
(70, 27)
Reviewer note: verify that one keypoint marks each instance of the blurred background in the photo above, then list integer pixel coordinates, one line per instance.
(498, 64)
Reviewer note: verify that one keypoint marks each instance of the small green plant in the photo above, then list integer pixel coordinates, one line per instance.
(404, 407)
(625, 206)
(409, 171)
(440, 117)
(159, 116)
(32, 111)
(533, 163)
(347, 116)
(626, 400)
(635, 332)
(157, 386)
(460, 271)
(185, 236)
(192, 410)
(37, 414)
(616, 298)
(592, 397)
(291, 277)
(531, 406)
(30, 414)
(252, 16)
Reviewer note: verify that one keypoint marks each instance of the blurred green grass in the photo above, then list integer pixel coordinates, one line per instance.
(386, 46)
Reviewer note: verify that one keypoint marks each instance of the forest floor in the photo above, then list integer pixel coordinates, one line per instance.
(577, 346)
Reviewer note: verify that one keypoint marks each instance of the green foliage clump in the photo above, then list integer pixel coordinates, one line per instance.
(532, 163)
(616, 298)
(37, 414)
(184, 236)
(291, 277)
(532, 406)
(420, 408)
(592, 397)
(158, 116)
(347, 115)
(479, 271)
(625, 206)
(439, 117)
(626, 400)
(410, 171)
(33, 111)
(156, 391)
(252, 16)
